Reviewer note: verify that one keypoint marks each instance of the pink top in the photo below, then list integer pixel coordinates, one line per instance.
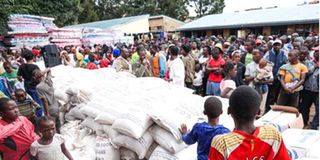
(21, 131)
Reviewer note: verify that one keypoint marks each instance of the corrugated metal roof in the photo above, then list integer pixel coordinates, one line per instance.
(107, 24)
(274, 16)
(164, 16)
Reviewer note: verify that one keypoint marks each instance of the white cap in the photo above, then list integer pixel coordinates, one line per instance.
(277, 41)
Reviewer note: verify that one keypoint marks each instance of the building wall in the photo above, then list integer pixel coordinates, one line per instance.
(316, 28)
(226, 33)
(266, 30)
(209, 32)
(171, 25)
(163, 24)
(155, 23)
(139, 26)
(291, 29)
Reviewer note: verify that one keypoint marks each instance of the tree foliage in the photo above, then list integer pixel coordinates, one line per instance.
(67, 12)
(88, 13)
(205, 7)
(108, 9)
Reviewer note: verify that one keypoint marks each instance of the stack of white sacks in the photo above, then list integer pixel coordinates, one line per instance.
(136, 118)
(112, 115)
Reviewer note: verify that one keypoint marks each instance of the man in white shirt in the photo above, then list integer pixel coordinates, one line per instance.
(175, 67)
(250, 75)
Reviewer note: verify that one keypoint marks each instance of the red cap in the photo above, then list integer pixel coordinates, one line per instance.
(258, 41)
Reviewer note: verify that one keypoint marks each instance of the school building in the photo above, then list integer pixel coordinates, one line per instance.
(160, 25)
(269, 21)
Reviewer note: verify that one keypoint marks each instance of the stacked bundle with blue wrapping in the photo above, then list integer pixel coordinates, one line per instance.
(93, 36)
(28, 30)
(66, 37)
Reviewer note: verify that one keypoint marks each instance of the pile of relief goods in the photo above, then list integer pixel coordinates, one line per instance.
(93, 36)
(128, 116)
(112, 115)
(28, 30)
(64, 37)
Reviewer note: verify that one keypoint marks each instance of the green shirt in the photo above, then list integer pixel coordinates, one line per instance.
(248, 59)
(134, 58)
(11, 77)
(2, 95)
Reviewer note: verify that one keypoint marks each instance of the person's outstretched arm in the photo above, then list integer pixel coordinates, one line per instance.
(66, 152)
(188, 137)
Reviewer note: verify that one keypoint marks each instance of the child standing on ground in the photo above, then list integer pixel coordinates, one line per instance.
(26, 105)
(205, 131)
(227, 85)
(197, 81)
(50, 146)
(247, 141)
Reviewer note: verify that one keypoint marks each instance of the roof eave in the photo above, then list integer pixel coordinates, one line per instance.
(251, 25)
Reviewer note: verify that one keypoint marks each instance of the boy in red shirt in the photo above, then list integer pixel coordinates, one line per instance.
(247, 142)
(91, 65)
(214, 67)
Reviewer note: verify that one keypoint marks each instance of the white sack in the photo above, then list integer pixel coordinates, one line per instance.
(139, 146)
(166, 140)
(105, 151)
(189, 153)
(134, 123)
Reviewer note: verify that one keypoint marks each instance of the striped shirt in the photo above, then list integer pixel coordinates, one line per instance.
(27, 107)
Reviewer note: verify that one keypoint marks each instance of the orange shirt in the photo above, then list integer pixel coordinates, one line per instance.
(297, 69)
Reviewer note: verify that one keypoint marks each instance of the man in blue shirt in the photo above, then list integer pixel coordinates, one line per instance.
(278, 57)
(204, 132)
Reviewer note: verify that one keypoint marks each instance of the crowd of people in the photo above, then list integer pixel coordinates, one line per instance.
(283, 70)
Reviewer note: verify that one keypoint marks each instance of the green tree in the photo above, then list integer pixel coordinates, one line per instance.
(205, 7)
(108, 9)
(65, 12)
(88, 13)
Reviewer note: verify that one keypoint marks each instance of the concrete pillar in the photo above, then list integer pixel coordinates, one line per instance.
(291, 29)
(315, 28)
(266, 30)
(242, 33)
(209, 32)
(226, 33)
